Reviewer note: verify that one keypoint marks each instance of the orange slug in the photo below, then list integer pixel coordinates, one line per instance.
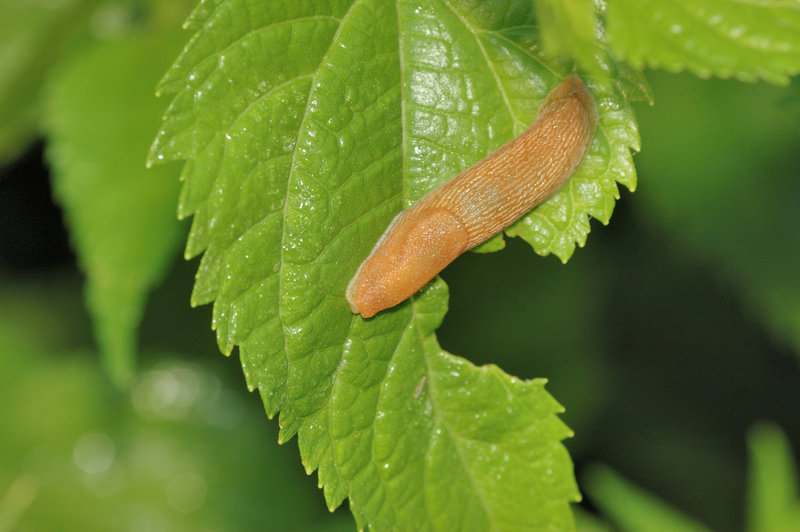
(478, 203)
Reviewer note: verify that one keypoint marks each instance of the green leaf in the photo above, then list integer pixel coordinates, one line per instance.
(33, 36)
(101, 114)
(568, 28)
(307, 126)
(748, 39)
(773, 494)
(631, 508)
(563, 220)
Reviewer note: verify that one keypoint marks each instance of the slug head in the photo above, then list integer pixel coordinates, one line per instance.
(413, 250)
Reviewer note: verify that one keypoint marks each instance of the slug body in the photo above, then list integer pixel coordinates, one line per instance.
(478, 203)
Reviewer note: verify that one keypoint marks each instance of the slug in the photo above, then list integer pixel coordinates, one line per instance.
(478, 203)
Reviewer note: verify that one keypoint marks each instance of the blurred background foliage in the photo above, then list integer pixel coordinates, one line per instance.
(668, 339)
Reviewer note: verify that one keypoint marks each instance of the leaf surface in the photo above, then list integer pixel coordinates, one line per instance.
(568, 29)
(748, 39)
(306, 126)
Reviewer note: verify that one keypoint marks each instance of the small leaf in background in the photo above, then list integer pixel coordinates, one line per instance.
(632, 509)
(33, 37)
(773, 496)
(101, 112)
(773, 491)
(182, 450)
(306, 128)
(746, 40)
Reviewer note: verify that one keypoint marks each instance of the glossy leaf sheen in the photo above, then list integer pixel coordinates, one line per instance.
(306, 126)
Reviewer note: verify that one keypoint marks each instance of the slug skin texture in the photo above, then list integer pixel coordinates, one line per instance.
(478, 203)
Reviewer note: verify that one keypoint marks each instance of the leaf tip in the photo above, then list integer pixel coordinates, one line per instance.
(154, 157)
